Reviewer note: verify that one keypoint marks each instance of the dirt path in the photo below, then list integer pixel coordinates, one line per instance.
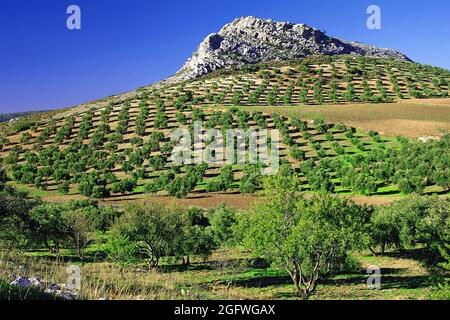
(208, 200)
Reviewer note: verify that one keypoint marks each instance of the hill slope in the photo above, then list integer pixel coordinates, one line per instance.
(125, 147)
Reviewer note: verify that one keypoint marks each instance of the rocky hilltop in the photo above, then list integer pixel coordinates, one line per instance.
(251, 40)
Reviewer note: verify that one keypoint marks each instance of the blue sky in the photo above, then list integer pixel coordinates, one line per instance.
(127, 44)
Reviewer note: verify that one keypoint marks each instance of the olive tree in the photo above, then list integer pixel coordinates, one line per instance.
(154, 229)
(310, 239)
(80, 232)
(405, 223)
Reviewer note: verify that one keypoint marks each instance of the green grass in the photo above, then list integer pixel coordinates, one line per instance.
(227, 274)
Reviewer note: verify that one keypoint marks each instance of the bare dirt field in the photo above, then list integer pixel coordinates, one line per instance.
(209, 200)
(411, 118)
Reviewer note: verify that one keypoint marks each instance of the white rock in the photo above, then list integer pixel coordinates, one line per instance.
(255, 40)
(22, 282)
(36, 281)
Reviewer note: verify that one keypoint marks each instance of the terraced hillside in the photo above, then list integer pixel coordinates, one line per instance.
(318, 80)
(123, 147)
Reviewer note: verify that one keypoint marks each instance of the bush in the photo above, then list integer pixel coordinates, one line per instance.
(223, 220)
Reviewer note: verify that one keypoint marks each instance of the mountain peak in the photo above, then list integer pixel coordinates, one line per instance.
(249, 40)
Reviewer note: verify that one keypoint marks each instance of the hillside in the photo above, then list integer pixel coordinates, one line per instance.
(124, 147)
(16, 115)
(318, 80)
(279, 163)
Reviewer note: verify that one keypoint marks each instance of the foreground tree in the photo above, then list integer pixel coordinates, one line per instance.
(80, 231)
(14, 219)
(310, 239)
(47, 226)
(155, 230)
(223, 220)
(73, 225)
(414, 220)
(197, 236)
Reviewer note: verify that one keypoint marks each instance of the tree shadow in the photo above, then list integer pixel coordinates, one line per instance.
(390, 279)
(204, 265)
(89, 257)
(438, 193)
(408, 282)
(387, 193)
(418, 254)
(262, 281)
(184, 268)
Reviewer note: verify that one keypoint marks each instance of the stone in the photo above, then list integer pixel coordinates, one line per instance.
(250, 40)
(36, 281)
(22, 282)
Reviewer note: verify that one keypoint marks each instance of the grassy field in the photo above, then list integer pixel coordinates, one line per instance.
(227, 274)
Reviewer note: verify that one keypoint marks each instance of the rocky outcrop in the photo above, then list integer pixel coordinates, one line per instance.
(56, 290)
(251, 40)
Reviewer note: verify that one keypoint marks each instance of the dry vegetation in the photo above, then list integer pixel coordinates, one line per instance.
(227, 274)
(413, 118)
